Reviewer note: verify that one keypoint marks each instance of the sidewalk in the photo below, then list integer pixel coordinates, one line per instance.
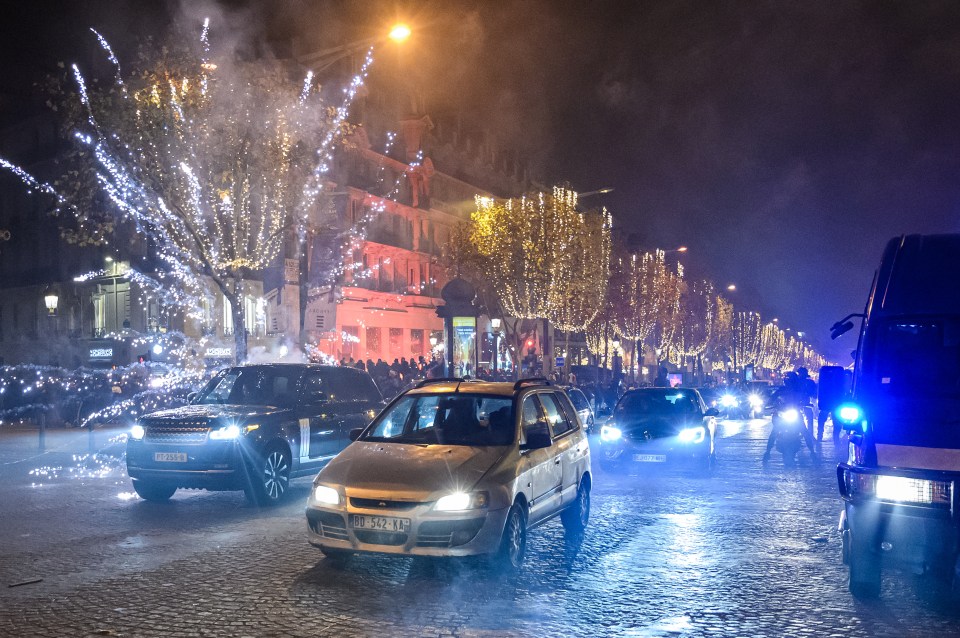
(21, 443)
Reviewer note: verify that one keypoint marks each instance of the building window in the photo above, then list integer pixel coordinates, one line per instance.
(416, 342)
(351, 341)
(153, 315)
(250, 314)
(227, 317)
(374, 341)
(99, 315)
(396, 343)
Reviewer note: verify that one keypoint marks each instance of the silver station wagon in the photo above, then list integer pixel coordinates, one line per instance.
(456, 468)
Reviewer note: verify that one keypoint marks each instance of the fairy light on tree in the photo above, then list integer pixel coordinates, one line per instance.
(543, 258)
(720, 343)
(697, 308)
(216, 160)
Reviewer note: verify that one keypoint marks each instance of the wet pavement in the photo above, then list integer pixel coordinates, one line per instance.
(744, 551)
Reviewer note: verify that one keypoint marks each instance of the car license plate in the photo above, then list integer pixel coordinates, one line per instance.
(380, 523)
(650, 458)
(170, 457)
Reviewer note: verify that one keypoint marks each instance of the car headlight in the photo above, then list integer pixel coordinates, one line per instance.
(755, 400)
(461, 501)
(137, 432)
(326, 495)
(610, 433)
(692, 435)
(790, 416)
(227, 433)
(904, 490)
(729, 401)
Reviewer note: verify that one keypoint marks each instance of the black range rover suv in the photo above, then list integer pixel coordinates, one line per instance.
(251, 428)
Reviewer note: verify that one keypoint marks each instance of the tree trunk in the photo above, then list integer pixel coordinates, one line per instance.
(239, 324)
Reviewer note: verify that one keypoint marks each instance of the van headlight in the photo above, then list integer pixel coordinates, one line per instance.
(462, 501)
(326, 495)
(904, 490)
(137, 432)
(692, 435)
(755, 401)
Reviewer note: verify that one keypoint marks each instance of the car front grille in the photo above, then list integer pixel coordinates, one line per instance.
(382, 504)
(380, 538)
(179, 432)
(448, 533)
(328, 525)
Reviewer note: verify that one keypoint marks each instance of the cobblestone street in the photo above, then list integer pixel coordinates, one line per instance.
(746, 551)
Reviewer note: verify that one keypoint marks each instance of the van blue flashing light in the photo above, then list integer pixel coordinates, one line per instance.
(849, 413)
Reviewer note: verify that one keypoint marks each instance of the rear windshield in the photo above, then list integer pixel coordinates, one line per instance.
(657, 403)
(446, 419)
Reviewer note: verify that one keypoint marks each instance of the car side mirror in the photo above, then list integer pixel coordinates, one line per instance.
(192, 396)
(355, 433)
(537, 440)
(712, 412)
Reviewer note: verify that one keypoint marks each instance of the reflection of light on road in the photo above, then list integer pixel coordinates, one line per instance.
(688, 541)
(127, 496)
(729, 427)
(83, 466)
(663, 627)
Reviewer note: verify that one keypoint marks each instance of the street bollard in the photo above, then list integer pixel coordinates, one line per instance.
(43, 431)
(91, 445)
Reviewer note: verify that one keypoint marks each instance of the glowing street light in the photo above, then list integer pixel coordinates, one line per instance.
(399, 32)
(732, 287)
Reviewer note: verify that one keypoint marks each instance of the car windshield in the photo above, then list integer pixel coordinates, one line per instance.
(665, 403)
(446, 419)
(251, 386)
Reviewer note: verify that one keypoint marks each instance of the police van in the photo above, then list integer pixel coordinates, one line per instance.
(899, 481)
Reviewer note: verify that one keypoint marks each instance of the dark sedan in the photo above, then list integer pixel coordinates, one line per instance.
(656, 426)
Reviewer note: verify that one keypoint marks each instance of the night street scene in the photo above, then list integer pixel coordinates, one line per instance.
(470, 318)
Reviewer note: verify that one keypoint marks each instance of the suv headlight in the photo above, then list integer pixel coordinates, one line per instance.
(227, 433)
(692, 435)
(137, 432)
(326, 495)
(462, 501)
(755, 401)
(729, 401)
(231, 432)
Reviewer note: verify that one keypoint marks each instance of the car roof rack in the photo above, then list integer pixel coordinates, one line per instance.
(531, 381)
(440, 380)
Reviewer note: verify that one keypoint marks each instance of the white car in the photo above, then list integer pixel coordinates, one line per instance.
(456, 468)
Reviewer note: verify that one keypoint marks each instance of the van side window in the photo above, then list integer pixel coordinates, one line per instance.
(570, 408)
(531, 413)
(556, 417)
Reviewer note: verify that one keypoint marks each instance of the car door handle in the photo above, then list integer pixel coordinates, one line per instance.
(557, 462)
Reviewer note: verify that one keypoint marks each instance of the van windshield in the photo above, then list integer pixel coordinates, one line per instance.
(446, 419)
(915, 359)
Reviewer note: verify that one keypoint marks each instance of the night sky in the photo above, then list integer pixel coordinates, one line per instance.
(784, 143)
